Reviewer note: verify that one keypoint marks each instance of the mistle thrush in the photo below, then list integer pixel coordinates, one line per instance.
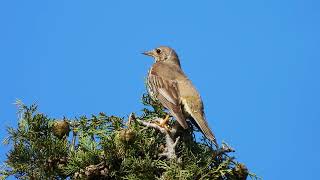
(168, 84)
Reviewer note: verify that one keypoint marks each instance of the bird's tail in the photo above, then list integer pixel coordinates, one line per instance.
(204, 127)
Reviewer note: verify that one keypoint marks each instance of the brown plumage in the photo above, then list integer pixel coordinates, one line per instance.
(167, 83)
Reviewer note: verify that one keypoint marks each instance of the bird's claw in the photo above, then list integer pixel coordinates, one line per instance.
(163, 123)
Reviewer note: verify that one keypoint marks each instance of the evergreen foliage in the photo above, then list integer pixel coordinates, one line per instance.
(110, 147)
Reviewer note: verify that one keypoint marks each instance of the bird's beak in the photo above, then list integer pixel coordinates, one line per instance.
(148, 53)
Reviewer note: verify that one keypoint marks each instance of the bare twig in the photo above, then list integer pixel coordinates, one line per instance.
(131, 119)
(169, 150)
(225, 148)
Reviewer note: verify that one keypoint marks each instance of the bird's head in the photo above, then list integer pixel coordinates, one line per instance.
(163, 54)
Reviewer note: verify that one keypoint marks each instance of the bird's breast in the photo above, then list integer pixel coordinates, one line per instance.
(149, 82)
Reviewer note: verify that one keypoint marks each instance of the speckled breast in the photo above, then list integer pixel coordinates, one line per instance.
(150, 86)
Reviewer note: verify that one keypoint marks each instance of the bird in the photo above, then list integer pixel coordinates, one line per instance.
(168, 84)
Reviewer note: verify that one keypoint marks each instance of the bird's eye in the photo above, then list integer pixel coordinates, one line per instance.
(158, 51)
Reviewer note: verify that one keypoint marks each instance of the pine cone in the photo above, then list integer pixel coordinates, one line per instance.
(61, 128)
(126, 135)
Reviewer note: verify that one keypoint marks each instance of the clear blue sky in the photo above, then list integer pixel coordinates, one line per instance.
(255, 63)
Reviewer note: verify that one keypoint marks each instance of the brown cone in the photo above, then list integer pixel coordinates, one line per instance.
(61, 128)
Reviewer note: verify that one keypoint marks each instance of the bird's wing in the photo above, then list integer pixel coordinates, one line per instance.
(166, 91)
(193, 105)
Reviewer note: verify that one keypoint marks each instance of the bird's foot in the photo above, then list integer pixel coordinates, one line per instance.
(163, 123)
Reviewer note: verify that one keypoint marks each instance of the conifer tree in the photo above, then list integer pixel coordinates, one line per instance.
(110, 147)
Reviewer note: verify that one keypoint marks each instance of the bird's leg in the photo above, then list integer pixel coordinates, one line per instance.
(163, 122)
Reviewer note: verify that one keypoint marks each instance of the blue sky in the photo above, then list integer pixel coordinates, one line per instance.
(255, 63)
